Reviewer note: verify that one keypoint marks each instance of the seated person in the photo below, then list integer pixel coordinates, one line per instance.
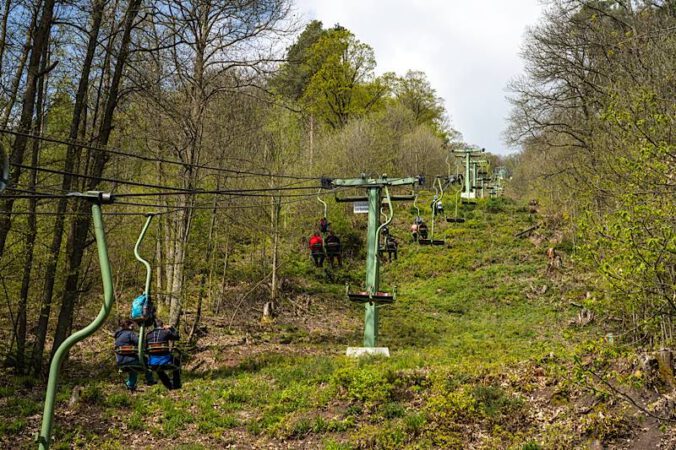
(126, 354)
(433, 205)
(422, 230)
(161, 337)
(414, 232)
(324, 225)
(391, 246)
(316, 245)
(333, 249)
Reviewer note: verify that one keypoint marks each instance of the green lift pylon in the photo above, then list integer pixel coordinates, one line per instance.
(97, 199)
(372, 297)
(477, 177)
(468, 152)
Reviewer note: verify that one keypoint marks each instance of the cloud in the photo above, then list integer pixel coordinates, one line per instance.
(468, 49)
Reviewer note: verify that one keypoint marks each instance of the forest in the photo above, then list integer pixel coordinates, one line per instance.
(230, 122)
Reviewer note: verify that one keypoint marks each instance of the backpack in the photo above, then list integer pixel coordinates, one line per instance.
(142, 311)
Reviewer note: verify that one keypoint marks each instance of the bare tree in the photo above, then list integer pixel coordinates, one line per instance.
(204, 41)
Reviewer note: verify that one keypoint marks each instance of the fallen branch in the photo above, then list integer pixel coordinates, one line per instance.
(627, 397)
(527, 231)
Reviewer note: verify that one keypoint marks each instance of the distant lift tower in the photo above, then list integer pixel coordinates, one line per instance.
(470, 181)
(372, 297)
(478, 176)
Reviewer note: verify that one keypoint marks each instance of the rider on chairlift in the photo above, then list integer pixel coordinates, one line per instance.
(433, 204)
(391, 247)
(160, 356)
(333, 249)
(316, 245)
(422, 230)
(126, 344)
(439, 208)
(323, 225)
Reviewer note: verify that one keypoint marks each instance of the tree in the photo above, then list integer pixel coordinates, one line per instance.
(343, 84)
(294, 75)
(72, 156)
(415, 92)
(595, 115)
(209, 50)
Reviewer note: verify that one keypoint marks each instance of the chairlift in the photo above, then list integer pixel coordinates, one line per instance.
(439, 195)
(143, 349)
(456, 218)
(377, 297)
(324, 221)
(331, 249)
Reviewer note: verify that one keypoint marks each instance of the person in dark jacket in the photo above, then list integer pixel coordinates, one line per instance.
(161, 337)
(126, 338)
(391, 247)
(433, 205)
(323, 225)
(333, 250)
(422, 230)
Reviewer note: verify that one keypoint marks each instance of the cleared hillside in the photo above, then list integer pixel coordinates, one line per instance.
(487, 352)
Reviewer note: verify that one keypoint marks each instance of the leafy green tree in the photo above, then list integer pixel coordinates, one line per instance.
(415, 92)
(343, 84)
(595, 116)
(294, 76)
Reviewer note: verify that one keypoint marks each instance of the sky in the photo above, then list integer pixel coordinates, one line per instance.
(469, 50)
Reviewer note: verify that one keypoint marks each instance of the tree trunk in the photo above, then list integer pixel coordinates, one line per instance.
(205, 271)
(312, 139)
(22, 310)
(274, 284)
(194, 143)
(76, 238)
(18, 73)
(3, 31)
(226, 255)
(38, 48)
(182, 233)
(72, 155)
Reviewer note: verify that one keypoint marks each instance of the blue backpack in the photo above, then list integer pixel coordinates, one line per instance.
(142, 310)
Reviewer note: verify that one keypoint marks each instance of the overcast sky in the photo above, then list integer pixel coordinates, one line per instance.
(468, 49)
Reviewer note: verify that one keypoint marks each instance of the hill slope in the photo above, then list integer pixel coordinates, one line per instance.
(486, 353)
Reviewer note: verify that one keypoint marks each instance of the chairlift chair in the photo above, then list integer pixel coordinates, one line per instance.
(439, 191)
(379, 297)
(163, 349)
(456, 218)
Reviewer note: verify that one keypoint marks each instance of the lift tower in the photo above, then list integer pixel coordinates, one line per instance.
(372, 297)
(468, 152)
(476, 175)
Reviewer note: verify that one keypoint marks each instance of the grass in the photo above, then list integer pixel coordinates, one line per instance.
(461, 331)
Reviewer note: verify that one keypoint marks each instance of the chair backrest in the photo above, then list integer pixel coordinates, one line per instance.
(126, 350)
(159, 348)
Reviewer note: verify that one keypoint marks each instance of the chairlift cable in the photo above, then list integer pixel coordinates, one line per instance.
(119, 152)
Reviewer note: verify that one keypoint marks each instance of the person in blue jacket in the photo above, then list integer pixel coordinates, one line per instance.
(157, 360)
(127, 337)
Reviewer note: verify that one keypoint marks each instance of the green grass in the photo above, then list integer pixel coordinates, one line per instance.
(461, 322)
